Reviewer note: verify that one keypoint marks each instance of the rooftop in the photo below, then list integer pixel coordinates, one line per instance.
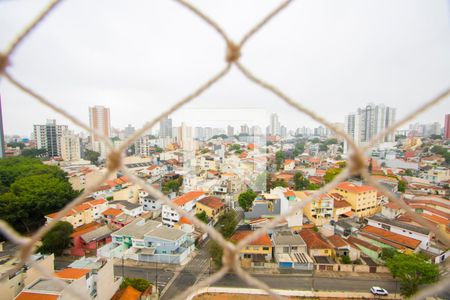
(166, 233)
(351, 187)
(127, 204)
(400, 224)
(188, 197)
(212, 202)
(287, 238)
(72, 273)
(314, 240)
(391, 236)
(263, 240)
(138, 228)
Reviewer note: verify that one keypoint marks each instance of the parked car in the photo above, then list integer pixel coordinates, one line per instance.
(376, 290)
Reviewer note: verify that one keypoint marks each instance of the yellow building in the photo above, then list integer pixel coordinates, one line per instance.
(316, 244)
(362, 198)
(320, 211)
(259, 250)
(212, 206)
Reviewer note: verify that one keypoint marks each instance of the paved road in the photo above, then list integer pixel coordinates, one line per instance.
(293, 281)
(191, 273)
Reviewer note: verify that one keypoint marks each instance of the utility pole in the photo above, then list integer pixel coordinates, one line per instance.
(123, 270)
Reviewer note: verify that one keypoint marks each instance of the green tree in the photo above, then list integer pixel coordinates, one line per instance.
(331, 173)
(172, 185)
(412, 270)
(41, 153)
(159, 149)
(246, 198)
(30, 190)
(279, 182)
(436, 137)
(92, 156)
(401, 186)
(313, 186)
(346, 259)
(202, 216)
(447, 157)
(260, 182)
(234, 147)
(299, 148)
(279, 159)
(323, 147)
(216, 253)
(388, 253)
(57, 239)
(409, 172)
(300, 182)
(436, 149)
(16, 144)
(227, 223)
(139, 284)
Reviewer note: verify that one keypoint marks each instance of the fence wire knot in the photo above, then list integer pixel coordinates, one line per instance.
(233, 52)
(114, 160)
(4, 61)
(230, 257)
(356, 163)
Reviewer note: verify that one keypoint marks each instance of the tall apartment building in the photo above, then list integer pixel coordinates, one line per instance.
(48, 137)
(367, 122)
(70, 146)
(275, 126)
(230, 130)
(362, 198)
(245, 129)
(2, 136)
(100, 121)
(165, 127)
(447, 127)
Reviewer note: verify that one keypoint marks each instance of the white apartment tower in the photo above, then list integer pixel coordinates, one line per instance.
(165, 127)
(274, 125)
(367, 122)
(48, 137)
(70, 147)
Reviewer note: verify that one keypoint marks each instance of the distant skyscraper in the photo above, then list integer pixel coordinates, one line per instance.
(185, 137)
(274, 124)
(129, 130)
(283, 131)
(255, 130)
(245, 129)
(367, 122)
(199, 133)
(48, 137)
(165, 127)
(447, 127)
(230, 130)
(2, 137)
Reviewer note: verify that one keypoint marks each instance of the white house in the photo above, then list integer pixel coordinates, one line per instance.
(186, 202)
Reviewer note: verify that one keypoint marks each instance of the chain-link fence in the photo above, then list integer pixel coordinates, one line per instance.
(356, 162)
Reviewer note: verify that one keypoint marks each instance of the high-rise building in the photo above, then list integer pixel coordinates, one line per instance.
(274, 125)
(99, 120)
(70, 146)
(165, 127)
(447, 127)
(255, 130)
(283, 131)
(199, 133)
(245, 129)
(367, 122)
(230, 130)
(185, 137)
(129, 130)
(2, 137)
(48, 137)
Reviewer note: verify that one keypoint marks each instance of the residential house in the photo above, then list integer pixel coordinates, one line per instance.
(363, 198)
(344, 248)
(212, 206)
(186, 202)
(149, 202)
(341, 208)
(407, 230)
(91, 278)
(257, 251)
(316, 244)
(289, 164)
(14, 275)
(150, 241)
(82, 214)
(86, 241)
(319, 211)
(387, 239)
(131, 209)
(436, 174)
(367, 248)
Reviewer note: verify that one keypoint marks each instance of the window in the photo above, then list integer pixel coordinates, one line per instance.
(266, 248)
(326, 251)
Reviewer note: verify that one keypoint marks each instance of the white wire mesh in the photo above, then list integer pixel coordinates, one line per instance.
(356, 162)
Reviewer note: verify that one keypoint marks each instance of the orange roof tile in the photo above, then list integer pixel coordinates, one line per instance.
(391, 236)
(85, 228)
(188, 197)
(212, 202)
(314, 240)
(289, 193)
(114, 212)
(184, 220)
(261, 241)
(348, 186)
(128, 293)
(97, 201)
(337, 241)
(341, 203)
(72, 273)
(35, 296)
(436, 219)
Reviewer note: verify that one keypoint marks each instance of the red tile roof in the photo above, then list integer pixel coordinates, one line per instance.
(128, 293)
(188, 197)
(261, 241)
(392, 237)
(184, 220)
(348, 186)
(341, 203)
(212, 202)
(337, 241)
(289, 193)
(72, 273)
(314, 240)
(114, 212)
(363, 243)
(85, 228)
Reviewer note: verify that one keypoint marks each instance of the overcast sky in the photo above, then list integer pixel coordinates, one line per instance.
(139, 57)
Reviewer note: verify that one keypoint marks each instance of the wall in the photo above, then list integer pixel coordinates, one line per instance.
(107, 284)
